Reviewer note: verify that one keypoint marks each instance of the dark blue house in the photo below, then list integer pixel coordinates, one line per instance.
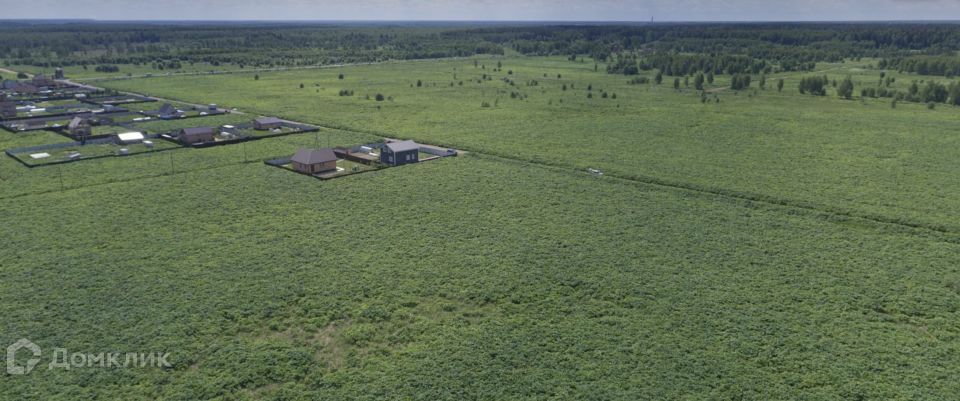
(399, 153)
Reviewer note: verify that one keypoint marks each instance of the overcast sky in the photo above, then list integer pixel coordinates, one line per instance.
(538, 10)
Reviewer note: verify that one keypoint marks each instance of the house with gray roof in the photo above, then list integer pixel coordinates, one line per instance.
(400, 153)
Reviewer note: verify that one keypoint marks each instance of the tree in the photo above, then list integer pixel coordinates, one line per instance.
(739, 81)
(256, 77)
(763, 81)
(710, 77)
(676, 83)
(659, 78)
(698, 82)
(845, 89)
(340, 76)
(780, 85)
(953, 93)
(379, 97)
(419, 83)
(301, 85)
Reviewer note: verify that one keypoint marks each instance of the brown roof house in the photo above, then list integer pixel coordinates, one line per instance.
(312, 161)
(194, 135)
(79, 127)
(264, 123)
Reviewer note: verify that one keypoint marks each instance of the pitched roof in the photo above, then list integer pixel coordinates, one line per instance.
(268, 120)
(75, 122)
(196, 131)
(314, 156)
(403, 146)
(166, 109)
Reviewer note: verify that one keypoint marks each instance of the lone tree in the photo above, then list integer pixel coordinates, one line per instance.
(659, 78)
(379, 97)
(698, 82)
(676, 83)
(256, 77)
(780, 85)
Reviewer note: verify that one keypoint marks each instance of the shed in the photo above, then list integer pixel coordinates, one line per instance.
(130, 137)
(312, 161)
(196, 135)
(399, 153)
(265, 123)
(79, 127)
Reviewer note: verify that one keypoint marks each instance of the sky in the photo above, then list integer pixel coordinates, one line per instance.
(485, 10)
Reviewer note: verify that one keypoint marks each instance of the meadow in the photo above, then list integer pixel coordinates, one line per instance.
(751, 245)
(857, 157)
(490, 291)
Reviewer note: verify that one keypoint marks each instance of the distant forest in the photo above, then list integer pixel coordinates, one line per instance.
(675, 49)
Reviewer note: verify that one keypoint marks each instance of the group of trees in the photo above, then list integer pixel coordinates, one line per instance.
(676, 49)
(814, 85)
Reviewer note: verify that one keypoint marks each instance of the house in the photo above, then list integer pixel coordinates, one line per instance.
(312, 161)
(399, 153)
(194, 135)
(265, 123)
(168, 112)
(79, 127)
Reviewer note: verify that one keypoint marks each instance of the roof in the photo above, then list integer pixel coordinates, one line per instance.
(75, 122)
(403, 146)
(196, 131)
(167, 108)
(268, 120)
(130, 136)
(314, 156)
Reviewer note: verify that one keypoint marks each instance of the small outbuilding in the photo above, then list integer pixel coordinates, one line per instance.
(399, 153)
(79, 127)
(265, 123)
(312, 161)
(127, 138)
(194, 135)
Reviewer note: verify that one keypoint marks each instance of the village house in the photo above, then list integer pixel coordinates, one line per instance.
(265, 123)
(194, 135)
(399, 153)
(79, 127)
(168, 112)
(312, 161)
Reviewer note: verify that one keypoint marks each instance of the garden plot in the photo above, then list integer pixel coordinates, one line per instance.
(76, 151)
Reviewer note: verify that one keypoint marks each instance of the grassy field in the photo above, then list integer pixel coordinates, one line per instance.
(490, 288)
(855, 157)
(720, 256)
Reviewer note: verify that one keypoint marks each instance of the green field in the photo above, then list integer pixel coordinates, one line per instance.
(857, 157)
(769, 246)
